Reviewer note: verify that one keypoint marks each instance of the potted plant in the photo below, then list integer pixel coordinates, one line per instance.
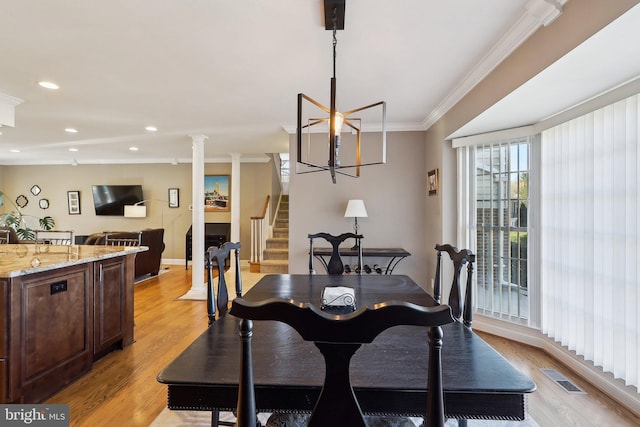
(17, 220)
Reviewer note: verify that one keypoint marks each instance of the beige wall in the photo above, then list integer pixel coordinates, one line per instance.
(579, 20)
(155, 179)
(394, 195)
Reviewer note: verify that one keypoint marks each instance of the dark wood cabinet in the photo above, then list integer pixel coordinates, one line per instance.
(54, 324)
(215, 234)
(53, 344)
(108, 313)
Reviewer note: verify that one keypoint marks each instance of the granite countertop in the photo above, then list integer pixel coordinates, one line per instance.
(21, 259)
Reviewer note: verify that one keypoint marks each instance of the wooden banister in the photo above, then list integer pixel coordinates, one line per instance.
(260, 226)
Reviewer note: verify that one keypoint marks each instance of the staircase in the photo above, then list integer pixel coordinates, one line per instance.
(276, 255)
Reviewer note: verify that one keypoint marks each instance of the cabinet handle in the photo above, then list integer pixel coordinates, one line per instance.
(101, 274)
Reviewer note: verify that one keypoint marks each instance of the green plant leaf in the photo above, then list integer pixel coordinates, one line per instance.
(47, 223)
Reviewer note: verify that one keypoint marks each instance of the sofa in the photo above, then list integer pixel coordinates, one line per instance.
(147, 262)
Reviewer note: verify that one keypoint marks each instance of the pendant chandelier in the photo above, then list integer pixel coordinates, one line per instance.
(311, 127)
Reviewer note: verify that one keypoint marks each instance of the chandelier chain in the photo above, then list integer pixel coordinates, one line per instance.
(335, 39)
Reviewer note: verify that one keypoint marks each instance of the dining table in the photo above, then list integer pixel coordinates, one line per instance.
(389, 376)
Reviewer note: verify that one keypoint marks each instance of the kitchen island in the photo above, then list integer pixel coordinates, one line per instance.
(61, 309)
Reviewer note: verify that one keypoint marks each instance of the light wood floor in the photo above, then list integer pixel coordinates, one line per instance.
(122, 390)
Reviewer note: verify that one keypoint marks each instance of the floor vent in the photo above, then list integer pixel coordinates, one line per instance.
(562, 381)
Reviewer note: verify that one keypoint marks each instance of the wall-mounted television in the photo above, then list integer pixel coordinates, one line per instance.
(111, 199)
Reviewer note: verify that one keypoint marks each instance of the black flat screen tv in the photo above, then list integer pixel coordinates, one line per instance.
(110, 199)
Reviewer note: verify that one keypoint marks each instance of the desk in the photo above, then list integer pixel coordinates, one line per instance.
(395, 255)
(388, 376)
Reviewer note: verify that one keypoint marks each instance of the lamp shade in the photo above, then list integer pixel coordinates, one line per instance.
(135, 211)
(355, 209)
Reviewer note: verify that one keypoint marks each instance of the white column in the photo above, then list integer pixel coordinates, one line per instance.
(235, 210)
(235, 197)
(198, 289)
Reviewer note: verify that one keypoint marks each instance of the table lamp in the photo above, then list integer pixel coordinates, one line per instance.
(355, 209)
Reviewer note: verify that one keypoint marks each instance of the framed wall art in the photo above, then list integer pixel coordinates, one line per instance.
(174, 198)
(216, 193)
(73, 202)
(432, 182)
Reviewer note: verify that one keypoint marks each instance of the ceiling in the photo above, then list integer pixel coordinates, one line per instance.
(229, 70)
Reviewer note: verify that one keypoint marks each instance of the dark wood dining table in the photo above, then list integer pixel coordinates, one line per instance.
(389, 376)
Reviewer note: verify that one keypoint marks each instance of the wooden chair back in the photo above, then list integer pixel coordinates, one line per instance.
(338, 337)
(122, 238)
(10, 233)
(219, 255)
(5, 237)
(54, 237)
(460, 257)
(335, 264)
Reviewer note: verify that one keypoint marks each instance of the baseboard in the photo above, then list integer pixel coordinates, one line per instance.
(627, 396)
(179, 261)
(172, 261)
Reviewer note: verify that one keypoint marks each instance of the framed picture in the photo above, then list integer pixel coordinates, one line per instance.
(73, 202)
(174, 197)
(216, 193)
(432, 182)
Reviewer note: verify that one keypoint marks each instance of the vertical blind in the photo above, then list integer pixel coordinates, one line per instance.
(590, 251)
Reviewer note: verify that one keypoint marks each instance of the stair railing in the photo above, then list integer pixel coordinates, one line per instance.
(260, 232)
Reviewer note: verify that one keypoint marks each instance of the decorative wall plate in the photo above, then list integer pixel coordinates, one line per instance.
(35, 190)
(22, 201)
(43, 203)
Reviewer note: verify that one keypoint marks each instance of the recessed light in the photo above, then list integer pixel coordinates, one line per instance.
(71, 130)
(151, 128)
(133, 148)
(49, 85)
(14, 150)
(73, 149)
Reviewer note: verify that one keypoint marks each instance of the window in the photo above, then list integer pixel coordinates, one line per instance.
(284, 167)
(568, 199)
(501, 186)
(590, 240)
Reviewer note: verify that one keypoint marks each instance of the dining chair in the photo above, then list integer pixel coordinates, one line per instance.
(460, 257)
(338, 337)
(122, 238)
(54, 237)
(218, 255)
(335, 264)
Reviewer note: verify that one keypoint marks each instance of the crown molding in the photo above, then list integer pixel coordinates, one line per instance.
(257, 158)
(537, 13)
(8, 105)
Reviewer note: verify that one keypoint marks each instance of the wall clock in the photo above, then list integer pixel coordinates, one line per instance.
(35, 190)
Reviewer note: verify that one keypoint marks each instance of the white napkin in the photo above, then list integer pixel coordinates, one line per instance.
(338, 296)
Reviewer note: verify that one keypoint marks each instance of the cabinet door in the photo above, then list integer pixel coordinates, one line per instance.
(109, 294)
(52, 331)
